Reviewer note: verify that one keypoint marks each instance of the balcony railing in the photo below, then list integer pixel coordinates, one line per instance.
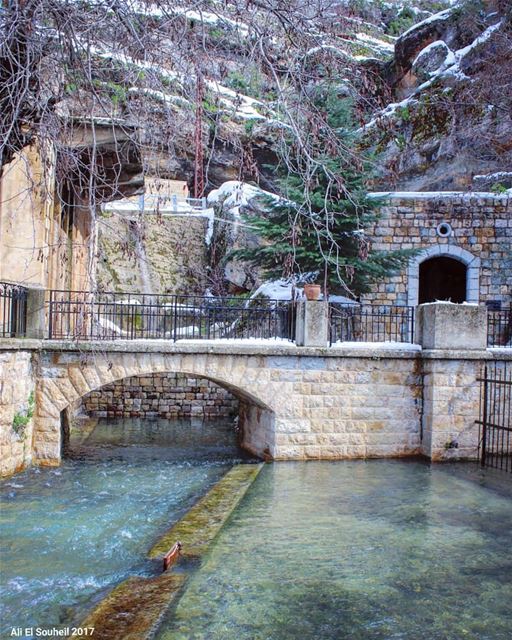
(13, 310)
(110, 316)
(370, 323)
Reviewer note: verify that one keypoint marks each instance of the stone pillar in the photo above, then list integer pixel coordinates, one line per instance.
(36, 317)
(312, 324)
(444, 325)
(454, 339)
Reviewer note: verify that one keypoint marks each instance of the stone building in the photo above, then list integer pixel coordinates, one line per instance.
(464, 243)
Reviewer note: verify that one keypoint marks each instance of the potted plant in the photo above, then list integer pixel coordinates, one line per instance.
(312, 291)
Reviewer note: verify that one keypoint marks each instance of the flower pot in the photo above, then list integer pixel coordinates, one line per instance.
(312, 291)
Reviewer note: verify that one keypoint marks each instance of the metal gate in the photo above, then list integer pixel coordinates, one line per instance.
(495, 422)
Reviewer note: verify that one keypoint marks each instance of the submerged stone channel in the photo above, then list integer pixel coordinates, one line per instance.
(71, 534)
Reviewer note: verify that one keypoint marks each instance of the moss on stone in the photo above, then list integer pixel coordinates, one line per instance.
(197, 529)
(134, 608)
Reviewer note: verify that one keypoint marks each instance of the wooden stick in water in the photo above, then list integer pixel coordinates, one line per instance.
(172, 555)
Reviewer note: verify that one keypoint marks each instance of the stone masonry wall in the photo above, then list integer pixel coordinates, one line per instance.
(334, 404)
(17, 382)
(450, 408)
(168, 395)
(295, 403)
(481, 224)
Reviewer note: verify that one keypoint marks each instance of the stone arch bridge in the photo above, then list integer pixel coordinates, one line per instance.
(295, 403)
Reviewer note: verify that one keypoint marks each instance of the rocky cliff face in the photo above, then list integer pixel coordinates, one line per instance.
(451, 112)
(161, 256)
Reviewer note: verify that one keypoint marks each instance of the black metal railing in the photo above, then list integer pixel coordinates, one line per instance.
(499, 328)
(13, 310)
(109, 316)
(495, 421)
(368, 323)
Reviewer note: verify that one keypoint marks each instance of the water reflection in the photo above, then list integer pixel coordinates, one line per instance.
(131, 438)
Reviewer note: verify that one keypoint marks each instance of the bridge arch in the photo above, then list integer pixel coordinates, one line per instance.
(74, 377)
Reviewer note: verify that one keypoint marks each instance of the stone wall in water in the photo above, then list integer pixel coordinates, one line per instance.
(17, 386)
(168, 395)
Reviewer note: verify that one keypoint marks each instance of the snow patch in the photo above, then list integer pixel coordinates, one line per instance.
(330, 47)
(282, 342)
(380, 44)
(275, 290)
(241, 105)
(403, 346)
(432, 195)
(167, 98)
(234, 194)
(480, 40)
(205, 17)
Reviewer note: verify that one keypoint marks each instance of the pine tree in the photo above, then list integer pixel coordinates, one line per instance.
(317, 230)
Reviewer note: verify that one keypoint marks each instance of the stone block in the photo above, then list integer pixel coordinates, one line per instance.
(312, 324)
(443, 325)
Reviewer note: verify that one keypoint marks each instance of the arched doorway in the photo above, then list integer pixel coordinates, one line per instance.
(457, 259)
(442, 278)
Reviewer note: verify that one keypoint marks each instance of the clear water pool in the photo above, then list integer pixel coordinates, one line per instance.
(69, 534)
(356, 550)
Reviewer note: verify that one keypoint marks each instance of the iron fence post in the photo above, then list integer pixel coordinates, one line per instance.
(484, 418)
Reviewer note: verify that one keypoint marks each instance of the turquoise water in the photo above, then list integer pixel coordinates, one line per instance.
(69, 534)
(356, 550)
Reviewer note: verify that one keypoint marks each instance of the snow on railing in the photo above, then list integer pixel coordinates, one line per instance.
(87, 315)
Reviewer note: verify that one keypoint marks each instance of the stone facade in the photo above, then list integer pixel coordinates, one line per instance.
(295, 403)
(17, 383)
(332, 404)
(168, 395)
(480, 238)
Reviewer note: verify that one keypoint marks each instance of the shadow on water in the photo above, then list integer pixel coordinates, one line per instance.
(93, 519)
(134, 439)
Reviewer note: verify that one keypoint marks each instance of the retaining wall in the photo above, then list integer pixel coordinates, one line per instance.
(168, 395)
(17, 387)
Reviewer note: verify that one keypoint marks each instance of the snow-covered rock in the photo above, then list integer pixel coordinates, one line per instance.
(233, 195)
(434, 58)
(440, 26)
(490, 180)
